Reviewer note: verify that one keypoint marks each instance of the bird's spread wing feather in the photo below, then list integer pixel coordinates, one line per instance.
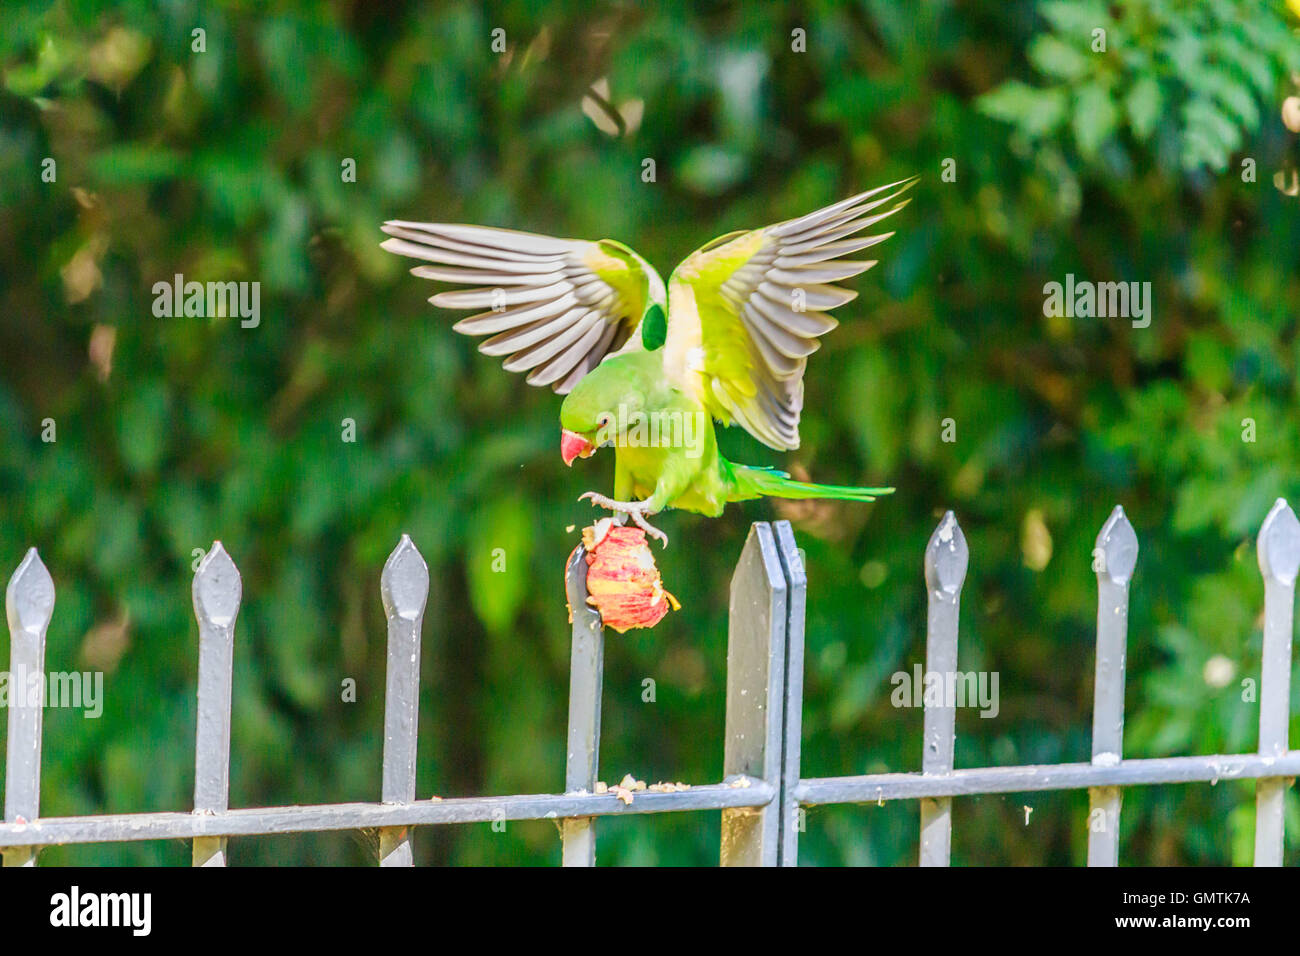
(747, 309)
(554, 307)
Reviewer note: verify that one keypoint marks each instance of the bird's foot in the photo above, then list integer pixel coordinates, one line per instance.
(623, 510)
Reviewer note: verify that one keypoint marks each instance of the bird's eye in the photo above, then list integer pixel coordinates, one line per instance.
(604, 420)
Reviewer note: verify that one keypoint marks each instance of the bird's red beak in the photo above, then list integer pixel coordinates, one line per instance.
(573, 445)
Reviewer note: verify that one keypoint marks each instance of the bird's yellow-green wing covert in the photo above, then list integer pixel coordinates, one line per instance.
(554, 307)
(746, 310)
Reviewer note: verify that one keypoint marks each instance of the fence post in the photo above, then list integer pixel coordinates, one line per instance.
(946, 560)
(1114, 558)
(796, 612)
(404, 587)
(217, 590)
(1278, 551)
(755, 690)
(29, 605)
(586, 678)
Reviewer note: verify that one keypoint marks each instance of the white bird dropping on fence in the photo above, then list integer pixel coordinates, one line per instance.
(946, 559)
(29, 605)
(217, 591)
(1114, 560)
(1278, 551)
(404, 587)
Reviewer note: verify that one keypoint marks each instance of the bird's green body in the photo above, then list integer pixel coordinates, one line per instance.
(649, 367)
(670, 463)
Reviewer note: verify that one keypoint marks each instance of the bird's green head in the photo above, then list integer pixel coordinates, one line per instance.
(609, 394)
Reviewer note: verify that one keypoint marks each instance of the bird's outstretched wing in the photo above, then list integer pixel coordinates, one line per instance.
(554, 307)
(747, 309)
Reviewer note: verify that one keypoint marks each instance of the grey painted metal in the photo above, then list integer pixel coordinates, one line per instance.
(1278, 551)
(586, 678)
(796, 612)
(873, 788)
(755, 692)
(946, 559)
(762, 790)
(217, 591)
(29, 605)
(358, 816)
(1114, 559)
(404, 587)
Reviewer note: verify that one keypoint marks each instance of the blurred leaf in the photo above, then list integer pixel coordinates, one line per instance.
(143, 427)
(710, 169)
(1144, 105)
(1059, 59)
(1095, 117)
(1036, 112)
(133, 163)
(500, 561)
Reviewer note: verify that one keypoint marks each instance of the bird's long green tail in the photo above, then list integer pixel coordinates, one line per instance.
(755, 482)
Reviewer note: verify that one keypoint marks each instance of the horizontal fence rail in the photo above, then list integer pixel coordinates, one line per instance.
(359, 816)
(879, 787)
(762, 796)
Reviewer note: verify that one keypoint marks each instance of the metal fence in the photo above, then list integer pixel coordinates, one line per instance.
(762, 795)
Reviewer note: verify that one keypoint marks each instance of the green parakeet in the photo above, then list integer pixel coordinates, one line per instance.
(648, 368)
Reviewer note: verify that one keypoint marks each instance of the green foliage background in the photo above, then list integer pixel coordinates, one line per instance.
(225, 165)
